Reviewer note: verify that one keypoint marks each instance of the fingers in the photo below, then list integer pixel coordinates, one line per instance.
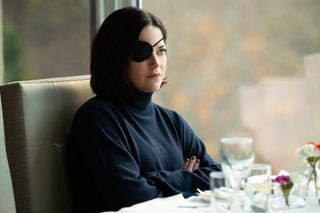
(191, 164)
(196, 165)
(186, 164)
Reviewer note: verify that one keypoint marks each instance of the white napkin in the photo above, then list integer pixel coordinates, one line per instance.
(194, 202)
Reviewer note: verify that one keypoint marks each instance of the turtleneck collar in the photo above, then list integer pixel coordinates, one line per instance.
(139, 101)
(132, 99)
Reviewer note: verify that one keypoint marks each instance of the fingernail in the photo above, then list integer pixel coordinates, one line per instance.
(198, 161)
(187, 159)
(193, 157)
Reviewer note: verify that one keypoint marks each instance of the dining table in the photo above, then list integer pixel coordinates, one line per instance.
(179, 204)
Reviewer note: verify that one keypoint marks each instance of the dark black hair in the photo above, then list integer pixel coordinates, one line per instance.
(113, 47)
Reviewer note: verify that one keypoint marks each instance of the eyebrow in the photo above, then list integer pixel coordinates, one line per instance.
(162, 46)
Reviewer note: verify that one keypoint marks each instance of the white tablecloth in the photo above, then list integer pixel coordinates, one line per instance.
(311, 206)
(178, 204)
(173, 204)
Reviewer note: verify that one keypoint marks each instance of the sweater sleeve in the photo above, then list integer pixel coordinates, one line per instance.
(181, 180)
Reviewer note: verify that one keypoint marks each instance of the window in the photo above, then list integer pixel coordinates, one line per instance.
(236, 68)
(45, 38)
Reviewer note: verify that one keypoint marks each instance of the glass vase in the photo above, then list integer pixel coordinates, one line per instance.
(310, 179)
(282, 200)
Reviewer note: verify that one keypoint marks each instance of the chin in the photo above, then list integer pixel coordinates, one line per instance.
(153, 89)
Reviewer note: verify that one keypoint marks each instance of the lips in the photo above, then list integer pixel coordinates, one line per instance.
(154, 75)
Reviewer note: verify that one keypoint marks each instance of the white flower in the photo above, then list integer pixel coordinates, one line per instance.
(308, 150)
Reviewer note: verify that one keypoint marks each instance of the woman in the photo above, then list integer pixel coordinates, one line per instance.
(123, 148)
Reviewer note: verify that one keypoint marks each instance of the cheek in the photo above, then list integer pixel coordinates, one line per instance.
(130, 74)
(133, 69)
(135, 73)
(164, 65)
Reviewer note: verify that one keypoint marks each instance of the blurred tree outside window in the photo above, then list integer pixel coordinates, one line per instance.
(45, 38)
(236, 68)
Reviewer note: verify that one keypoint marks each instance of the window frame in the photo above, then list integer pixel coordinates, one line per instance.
(100, 9)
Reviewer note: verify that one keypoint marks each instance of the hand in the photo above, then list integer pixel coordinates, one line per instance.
(191, 164)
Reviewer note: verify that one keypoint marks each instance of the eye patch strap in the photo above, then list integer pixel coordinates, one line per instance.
(157, 42)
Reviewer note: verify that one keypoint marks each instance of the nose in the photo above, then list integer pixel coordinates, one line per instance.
(154, 61)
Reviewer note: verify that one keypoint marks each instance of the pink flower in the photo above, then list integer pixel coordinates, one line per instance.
(285, 184)
(282, 179)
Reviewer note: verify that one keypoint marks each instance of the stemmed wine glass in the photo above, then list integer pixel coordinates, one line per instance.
(237, 157)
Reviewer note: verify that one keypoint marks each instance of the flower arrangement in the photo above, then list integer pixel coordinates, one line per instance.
(310, 152)
(285, 184)
(309, 149)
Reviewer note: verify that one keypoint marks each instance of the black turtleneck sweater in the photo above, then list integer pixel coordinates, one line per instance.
(119, 155)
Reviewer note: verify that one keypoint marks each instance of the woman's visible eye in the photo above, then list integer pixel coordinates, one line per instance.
(162, 51)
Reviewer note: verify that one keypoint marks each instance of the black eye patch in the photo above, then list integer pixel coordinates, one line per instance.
(142, 51)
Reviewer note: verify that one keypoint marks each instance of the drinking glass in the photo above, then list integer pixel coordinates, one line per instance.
(237, 157)
(217, 180)
(261, 172)
(259, 186)
(220, 195)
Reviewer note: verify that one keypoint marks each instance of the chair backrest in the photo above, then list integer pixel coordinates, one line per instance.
(7, 204)
(37, 116)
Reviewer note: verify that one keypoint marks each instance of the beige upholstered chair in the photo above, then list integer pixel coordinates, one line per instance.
(37, 115)
(7, 204)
